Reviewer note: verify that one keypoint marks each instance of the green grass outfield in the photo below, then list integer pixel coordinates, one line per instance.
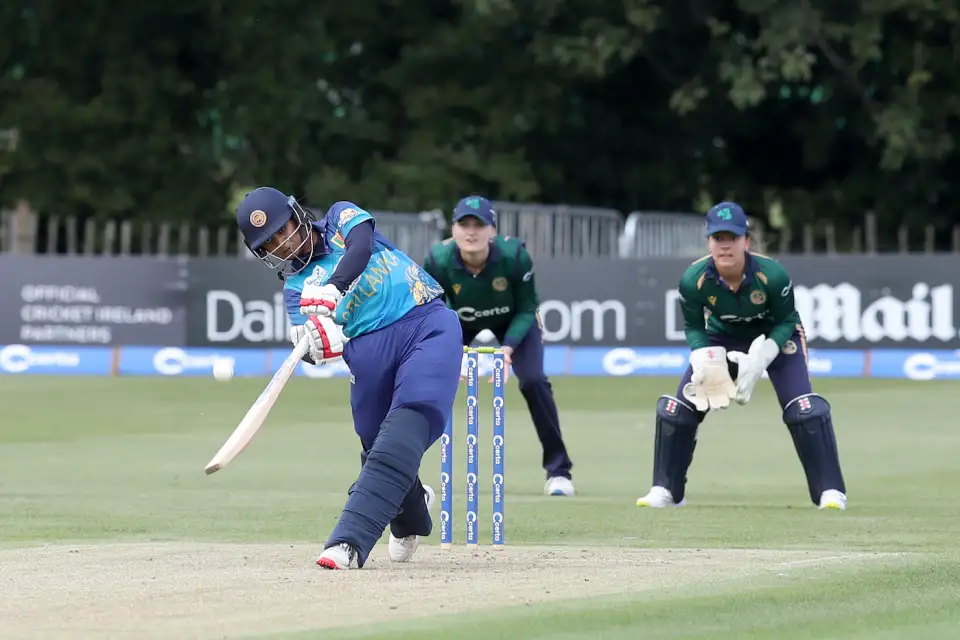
(109, 528)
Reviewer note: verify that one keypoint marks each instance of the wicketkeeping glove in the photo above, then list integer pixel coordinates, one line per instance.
(762, 352)
(710, 386)
(326, 339)
(319, 300)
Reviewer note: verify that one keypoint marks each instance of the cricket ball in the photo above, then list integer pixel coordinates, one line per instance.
(223, 369)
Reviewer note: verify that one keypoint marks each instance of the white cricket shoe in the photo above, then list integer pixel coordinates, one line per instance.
(339, 556)
(558, 486)
(402, 549)
(833, 499)
(659, 497)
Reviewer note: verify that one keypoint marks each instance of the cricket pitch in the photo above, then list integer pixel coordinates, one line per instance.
(183, 590)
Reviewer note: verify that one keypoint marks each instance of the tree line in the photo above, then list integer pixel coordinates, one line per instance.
(802, 110)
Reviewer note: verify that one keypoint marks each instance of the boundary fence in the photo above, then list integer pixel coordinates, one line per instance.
(550, 231)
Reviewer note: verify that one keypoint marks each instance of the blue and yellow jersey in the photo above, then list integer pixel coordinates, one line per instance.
(388, 288)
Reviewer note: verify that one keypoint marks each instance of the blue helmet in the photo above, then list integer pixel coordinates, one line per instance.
(262, 214)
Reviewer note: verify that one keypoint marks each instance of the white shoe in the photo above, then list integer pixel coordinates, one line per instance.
(402, 549)
(659, 497)
(833, 499)
(339, 556)
(558, 486)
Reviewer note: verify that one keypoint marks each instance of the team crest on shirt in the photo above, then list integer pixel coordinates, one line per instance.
(712, 299)
(422, 292)
(789, 347)
(758, 297)
(347, 215)
(456, 289)
(500, 284)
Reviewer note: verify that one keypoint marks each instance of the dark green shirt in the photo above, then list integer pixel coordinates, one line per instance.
(763, 303)
(501, 298)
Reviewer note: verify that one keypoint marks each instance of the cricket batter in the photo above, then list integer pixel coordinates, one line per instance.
(355, 296)
(740, 318)
(489, 281)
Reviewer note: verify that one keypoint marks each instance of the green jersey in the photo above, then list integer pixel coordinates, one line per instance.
(762, 304)
(501, 298)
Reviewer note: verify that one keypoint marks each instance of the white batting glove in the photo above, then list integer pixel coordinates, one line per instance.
(710, 388)
(762, 352)
(326, 339)
(319, 300)
(297, 331)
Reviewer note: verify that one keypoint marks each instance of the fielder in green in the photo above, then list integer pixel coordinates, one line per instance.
(489, 282)
(740, 322)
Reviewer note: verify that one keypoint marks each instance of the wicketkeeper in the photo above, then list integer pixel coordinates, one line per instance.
(489, 282)
(740, 321)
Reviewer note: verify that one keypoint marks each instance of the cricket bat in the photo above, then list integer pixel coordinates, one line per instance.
(257, 413)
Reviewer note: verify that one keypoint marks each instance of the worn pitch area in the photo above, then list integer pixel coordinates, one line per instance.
(185, 590)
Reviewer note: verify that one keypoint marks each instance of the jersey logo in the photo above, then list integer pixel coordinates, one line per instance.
(337, 241)
(712, 299)
(421, 291)
(456, 289)
(347, 215)
(758, 297)
(789, 347)
(738, 320)
(528, 275)
(470, 314)
(318, 276)
(500, 284)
